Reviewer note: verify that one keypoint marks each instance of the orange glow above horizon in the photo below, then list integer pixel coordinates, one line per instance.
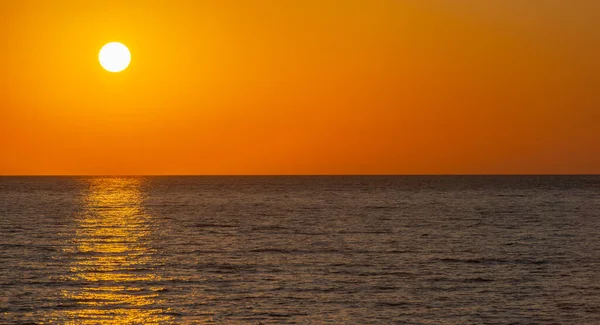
(309, 87)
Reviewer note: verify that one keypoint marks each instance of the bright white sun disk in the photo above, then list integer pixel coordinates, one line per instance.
(114, 57)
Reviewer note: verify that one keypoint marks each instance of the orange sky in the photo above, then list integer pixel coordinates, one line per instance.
(301, 87)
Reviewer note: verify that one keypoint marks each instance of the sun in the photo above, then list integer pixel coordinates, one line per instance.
(114, 57)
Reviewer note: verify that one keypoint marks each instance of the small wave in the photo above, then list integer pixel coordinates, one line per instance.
(458, 260)
(205, 251)
(275, 250)
(300, 251)
(478, 279)
(376, 232)
(259, 228)
(490, 261)
(385, 288)
(213, 225)
(393, 303)
(382, 207)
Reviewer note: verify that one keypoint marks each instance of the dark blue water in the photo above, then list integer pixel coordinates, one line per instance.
(300, 250)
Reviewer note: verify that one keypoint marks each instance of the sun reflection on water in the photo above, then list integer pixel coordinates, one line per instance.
(114, 264)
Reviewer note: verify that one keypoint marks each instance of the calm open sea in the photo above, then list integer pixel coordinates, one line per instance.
(300, 250)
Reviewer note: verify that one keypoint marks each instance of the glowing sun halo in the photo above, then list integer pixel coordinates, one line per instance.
(114, 57)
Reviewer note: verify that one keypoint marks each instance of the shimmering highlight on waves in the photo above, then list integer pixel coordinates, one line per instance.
(114, 260)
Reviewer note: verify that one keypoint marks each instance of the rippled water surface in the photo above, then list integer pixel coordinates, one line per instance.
(300, 250)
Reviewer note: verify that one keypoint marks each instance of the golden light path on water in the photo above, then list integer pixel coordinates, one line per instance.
(114, 259)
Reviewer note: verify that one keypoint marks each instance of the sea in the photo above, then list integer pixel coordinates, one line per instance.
(300, 250)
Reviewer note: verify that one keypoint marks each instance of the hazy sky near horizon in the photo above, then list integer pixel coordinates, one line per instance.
(301, 87)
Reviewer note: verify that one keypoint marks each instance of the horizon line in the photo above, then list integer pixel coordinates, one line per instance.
(294, 175)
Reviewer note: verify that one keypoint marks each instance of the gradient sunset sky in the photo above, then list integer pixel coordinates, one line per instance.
(301, 87)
